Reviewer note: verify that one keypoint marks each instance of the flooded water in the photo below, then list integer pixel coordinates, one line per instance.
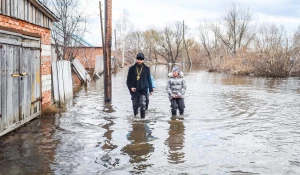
(232, 125)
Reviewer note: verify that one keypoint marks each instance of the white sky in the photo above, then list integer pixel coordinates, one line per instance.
(146, 13)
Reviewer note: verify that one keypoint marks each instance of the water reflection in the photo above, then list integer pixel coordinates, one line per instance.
(108, 135)
(29, 151)
(175, 142)
(265, 112)
(139, 149)
(161, 71)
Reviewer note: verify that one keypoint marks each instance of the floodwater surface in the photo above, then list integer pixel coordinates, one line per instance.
(232, 125)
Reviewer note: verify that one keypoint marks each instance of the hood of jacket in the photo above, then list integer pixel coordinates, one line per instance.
(170, 75)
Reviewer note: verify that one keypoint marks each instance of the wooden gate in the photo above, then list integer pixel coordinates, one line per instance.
(20, 83)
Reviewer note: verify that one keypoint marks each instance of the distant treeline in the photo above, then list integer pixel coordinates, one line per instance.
(235, 44)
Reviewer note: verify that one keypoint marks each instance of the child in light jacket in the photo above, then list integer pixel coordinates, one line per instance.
(176, 88)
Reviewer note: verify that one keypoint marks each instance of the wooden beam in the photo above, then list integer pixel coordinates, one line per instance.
(107, 55)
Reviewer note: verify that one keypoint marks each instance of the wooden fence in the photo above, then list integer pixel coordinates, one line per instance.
(80, 71)
(99, 66)
(62, 81)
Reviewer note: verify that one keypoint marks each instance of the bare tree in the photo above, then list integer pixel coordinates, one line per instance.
(135, 43)
(238, 32)
(150, 37)
(70, 29)
(295, 58)
(206, 42)
(296, 40)
(275, 51)
(209, 35)
(45, 2)
(123, 27)
(170, 42)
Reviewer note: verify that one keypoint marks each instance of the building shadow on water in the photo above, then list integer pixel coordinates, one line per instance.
(139, 149)
(108, 135)
(175, 142)
(108, 108)
(29, 149)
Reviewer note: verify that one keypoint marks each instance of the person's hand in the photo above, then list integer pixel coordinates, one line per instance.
(133, 89)
(151, 93)
(174, 96)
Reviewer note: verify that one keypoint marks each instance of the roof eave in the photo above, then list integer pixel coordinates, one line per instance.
(45, 10)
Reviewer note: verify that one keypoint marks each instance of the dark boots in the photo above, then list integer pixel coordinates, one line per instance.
(174, 112)
(142, 113)
(135, 112)
(181, 111)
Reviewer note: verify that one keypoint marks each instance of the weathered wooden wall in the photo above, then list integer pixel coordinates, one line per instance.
(62, 81)
(20, 83)
(25, 10)
(99, 65)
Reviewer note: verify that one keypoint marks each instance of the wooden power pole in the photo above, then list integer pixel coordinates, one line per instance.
(101, 23)
(107, 53)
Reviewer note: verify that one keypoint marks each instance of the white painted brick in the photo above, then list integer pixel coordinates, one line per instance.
(46, 50)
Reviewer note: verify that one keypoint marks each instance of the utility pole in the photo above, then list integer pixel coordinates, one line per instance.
(107, 53)
(101, 23)
(115, 56)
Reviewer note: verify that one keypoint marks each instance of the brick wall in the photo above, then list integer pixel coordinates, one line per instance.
(87, 55)
(24, 27)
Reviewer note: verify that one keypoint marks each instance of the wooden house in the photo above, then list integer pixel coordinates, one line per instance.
(25, 61)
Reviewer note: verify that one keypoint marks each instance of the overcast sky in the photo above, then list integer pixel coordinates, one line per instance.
(146, 13)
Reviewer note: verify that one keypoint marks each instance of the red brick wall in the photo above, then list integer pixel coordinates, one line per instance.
(90, 53)
(10, 22)
(45, 36)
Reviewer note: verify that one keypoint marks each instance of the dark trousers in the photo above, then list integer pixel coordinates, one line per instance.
(147, 101)
(138, 101)
(177, 103)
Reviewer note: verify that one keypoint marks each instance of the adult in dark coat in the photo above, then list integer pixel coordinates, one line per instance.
(138, 82)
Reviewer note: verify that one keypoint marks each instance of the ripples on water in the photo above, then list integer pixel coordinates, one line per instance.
(232, 125)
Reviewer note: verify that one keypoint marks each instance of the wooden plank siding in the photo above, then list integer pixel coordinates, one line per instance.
(16, 83)
(1, 55)
(62, 81)
(35, 83)
(4, 88)
(9, 83)
(3, 7)
(20, 83)
(1, 85)
(25, 10)
(8, 6)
